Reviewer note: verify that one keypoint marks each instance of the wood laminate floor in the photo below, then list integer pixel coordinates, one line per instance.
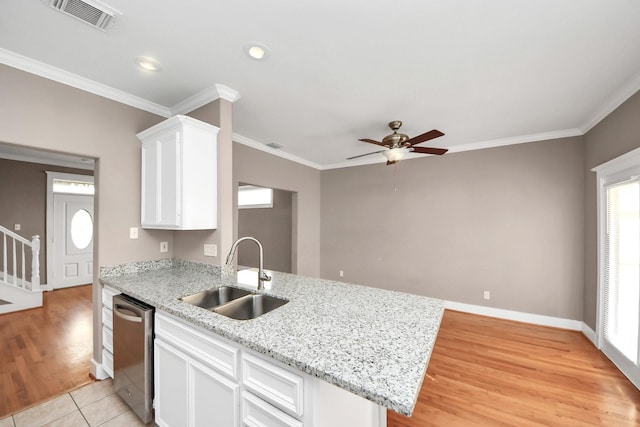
(483, 371)
(492, 372)
(46, 351)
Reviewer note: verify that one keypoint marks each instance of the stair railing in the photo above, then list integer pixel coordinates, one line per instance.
(16, 241)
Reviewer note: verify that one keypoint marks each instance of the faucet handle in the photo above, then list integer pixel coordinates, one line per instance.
(265, 277)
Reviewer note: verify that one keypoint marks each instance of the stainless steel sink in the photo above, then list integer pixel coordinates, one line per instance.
(235, 303)
(213, 298)
(250, 306)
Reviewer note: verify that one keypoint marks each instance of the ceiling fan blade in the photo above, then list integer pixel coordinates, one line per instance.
(429, 150)
(432, 134)
(371, 141)
(362, 155)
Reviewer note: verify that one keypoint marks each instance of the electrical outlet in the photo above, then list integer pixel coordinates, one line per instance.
(17, 227)
(341, 273)
(210, 249)
(487, 295)
(133, 232)
(164, 246)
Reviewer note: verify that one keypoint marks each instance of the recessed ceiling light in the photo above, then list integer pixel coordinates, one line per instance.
(147, 63)
(256, 51)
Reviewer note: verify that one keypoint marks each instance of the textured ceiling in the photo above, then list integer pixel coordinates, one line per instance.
(485, 73)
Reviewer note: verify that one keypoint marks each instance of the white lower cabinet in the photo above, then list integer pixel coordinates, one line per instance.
(191, 389)
(107, 331)
(205, 380)
(171, 398)
(214, 399)
(189, 393)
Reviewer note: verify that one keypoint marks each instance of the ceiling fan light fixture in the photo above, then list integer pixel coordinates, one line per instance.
(395, 154)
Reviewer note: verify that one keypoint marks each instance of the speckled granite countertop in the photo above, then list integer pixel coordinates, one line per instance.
(372, 342)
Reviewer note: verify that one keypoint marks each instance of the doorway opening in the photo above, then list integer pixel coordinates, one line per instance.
(268, 215)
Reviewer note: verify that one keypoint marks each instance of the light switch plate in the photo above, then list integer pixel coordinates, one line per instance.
(164, 246)
(17, 227)
(133, 232)
(210, 249)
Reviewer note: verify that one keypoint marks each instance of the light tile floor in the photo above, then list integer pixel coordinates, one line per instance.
(93, 405)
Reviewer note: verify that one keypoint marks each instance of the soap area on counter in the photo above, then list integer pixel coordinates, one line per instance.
(374, 344)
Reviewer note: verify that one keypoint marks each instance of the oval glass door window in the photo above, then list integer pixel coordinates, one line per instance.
(81, 229)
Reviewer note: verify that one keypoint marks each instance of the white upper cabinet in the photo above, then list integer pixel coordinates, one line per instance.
(179, 175)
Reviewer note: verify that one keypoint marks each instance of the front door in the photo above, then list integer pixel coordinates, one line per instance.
(72, 244)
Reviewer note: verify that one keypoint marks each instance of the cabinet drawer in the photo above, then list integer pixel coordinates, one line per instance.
(255, 412)
(107, 317)
(215, 353)
(276, 385)
(107, 297)
(107, 339)
(107, 362)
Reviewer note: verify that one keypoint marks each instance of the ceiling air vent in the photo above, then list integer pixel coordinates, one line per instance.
(92, 12)
(275, 145)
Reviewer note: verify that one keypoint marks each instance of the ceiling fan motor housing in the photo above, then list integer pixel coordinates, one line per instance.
(395, 139)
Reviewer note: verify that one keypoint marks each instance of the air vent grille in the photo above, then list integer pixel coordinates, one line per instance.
(275, 145)
(91, 14)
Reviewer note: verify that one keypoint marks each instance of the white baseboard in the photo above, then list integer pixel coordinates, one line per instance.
(98, 371)
(589, 333)
(536, 319)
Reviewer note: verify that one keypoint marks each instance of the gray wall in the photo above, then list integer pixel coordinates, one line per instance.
(617, 134)
(43, 114)
(259, 168)
(272, 227)
(508, 220)
(23, 200)
(40, 113)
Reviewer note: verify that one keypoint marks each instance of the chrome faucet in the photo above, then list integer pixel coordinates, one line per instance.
(262, 276)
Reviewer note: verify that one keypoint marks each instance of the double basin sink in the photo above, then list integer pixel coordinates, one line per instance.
(236, 303)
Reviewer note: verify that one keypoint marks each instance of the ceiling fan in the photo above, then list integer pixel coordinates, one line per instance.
(397, 145)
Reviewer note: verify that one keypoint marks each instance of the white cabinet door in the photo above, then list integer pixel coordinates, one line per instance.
(191, 394)
(171, 387)
(179, 175)
(214, 399)
(161, 164)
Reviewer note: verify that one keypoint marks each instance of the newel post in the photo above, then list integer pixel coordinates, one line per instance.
(35, 263)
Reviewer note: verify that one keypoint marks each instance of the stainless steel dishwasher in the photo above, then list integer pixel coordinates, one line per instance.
(133, 354)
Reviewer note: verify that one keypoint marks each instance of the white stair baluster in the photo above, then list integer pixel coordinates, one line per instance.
(15, 262)
(35, 263)
(4, 259)
(24, 276)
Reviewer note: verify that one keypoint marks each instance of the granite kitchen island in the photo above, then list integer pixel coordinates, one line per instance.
(371, 342)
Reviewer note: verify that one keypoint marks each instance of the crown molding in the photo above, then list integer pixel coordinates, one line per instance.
(612, 103)
(47, 160)
(523, 139)
(262, 147)
(544, 136)
(56, 74)
(217, 91)
(226, 93)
